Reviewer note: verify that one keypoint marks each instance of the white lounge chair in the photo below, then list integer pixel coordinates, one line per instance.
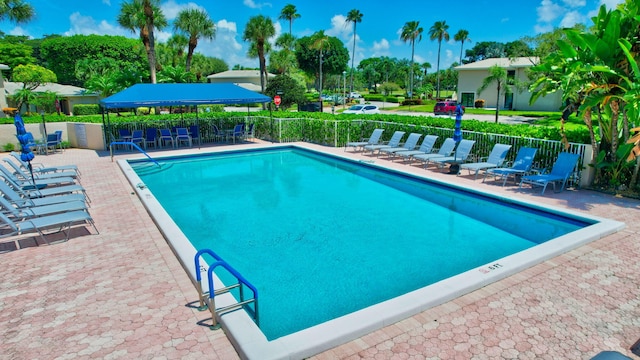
(445, 150)
(25, 212)
(408, 145)
(494, 160)
(21, 198)
(425, 148)
(57, 223)
(373, 140)
(393, 142)
(460, 155)
(41, 168)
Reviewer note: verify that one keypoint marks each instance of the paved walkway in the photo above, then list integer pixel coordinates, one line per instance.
(123, 295)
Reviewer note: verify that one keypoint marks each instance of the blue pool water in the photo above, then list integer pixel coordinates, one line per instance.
(322, 237)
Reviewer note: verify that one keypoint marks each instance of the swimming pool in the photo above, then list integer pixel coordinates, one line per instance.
(242, 190)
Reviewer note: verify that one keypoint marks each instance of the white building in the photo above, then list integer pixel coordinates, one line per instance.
(68, 95)
(471, 76)
(248, 79)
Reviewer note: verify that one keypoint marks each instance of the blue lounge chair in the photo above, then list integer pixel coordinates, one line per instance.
(194, 130)
(137, 137)
(409, 145)
(521, 166)
(39, 191)
(373, 140)
(560, 172)
(237, 133)
(182, 136)
(150, 138)
(58, 223)
(393, 142)
(425, 148)
(495, 159)
(445, 150)
(460, 155)
(28, 184)
(166, 137)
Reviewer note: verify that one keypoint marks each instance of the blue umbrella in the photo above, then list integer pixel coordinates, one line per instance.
(457, 136)
(26, 154)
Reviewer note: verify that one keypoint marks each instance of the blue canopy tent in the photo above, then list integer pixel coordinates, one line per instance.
(151, 95)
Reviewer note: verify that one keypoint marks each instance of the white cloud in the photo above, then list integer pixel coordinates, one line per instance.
(225, 46)
(380, 48)
(18, 31)
(504, 20)
(339, 28)
(571, 18)
(227, 25)
(253, 5)
(543, 28)
(548, 11)
(85, 25)
(170, 9)
(106, 2)
(574, 3)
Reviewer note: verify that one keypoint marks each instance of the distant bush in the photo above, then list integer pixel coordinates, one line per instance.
(86, 109)
(412, 102)
(479, 104)
(8, 147)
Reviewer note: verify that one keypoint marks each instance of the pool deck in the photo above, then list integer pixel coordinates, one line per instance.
(122, 294)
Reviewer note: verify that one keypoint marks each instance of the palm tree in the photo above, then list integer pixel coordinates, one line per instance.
(285, 59)
(410, 32)
(259, 29)
(354, 16)
(320, 42)
(425, 67)
(439, 32)
(194, 24)
(134, 16)
(17, 11)
(289, 13)
(462, 36)
(497, 75)
(177, 43)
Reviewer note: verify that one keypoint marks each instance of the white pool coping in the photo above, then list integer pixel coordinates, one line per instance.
(251, 343)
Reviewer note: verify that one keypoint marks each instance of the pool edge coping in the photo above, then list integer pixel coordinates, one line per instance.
(252, 344)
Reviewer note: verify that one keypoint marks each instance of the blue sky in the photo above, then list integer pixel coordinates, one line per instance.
(377, 34)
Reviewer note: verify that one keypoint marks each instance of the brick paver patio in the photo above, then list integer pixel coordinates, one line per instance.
(122, 294)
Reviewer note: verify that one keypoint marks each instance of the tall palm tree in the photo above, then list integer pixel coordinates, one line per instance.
(194, 24)
(285, 59)
(497, 75)
(425, 67)
(289, 13)
(411, 31)
(17, 11)
(462, 36)
(133, 16)
(177, 44)
(354, 16)
(259, 29)
(439, 32)
(320, 42)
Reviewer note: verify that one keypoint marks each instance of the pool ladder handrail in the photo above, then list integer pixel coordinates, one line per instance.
(133, 145)
(207, 300)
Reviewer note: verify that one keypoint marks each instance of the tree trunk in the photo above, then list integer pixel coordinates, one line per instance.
(615, 115)
(353, 56)
(151, 52)
(498, 102)
(594, 145)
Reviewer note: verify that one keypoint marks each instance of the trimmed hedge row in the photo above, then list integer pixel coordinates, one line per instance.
(86, 109)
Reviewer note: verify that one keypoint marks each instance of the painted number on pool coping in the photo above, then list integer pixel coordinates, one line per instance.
(486, 270)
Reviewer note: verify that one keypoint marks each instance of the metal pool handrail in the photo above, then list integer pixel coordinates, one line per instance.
(207, 299)
(133, 145)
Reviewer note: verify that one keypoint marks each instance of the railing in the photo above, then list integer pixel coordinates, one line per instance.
(133, 145)
(207, 298)
(337, 133)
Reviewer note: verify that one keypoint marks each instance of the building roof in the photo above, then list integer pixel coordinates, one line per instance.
(182, 94)
(519, 62)
(235, 74)
(62, 90)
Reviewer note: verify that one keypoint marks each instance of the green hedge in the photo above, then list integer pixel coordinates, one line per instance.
(86, 109)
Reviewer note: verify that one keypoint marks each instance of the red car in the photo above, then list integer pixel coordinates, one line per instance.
(446, 107)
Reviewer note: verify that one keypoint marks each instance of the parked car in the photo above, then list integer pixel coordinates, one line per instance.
(362, 109)
(354, 95)
(447, 107)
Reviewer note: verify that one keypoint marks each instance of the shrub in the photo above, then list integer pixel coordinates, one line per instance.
(9, 147)
(412, 102)
(86, 109)
(479, 104)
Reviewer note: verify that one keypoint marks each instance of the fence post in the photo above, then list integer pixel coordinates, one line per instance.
(335, 133)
